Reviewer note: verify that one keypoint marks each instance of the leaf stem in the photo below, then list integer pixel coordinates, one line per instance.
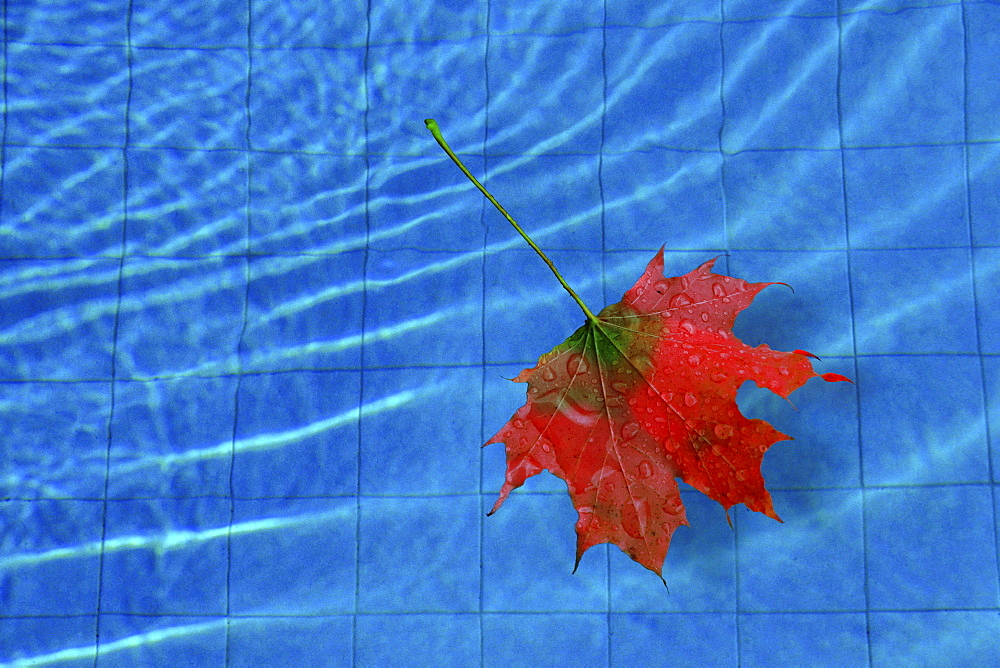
(436, 131)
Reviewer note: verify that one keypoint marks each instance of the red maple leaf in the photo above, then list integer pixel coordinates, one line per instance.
(644, 394)
(641, 395)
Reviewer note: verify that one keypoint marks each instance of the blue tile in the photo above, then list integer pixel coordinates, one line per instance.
(286, 419)
(417, 640)
(184, 203)
(215, 23)
(423, 308)
(788, 567)
(984, 196)
(34, 640)
(663, 87)
(61, 202)
(641, 13)
(682, 211)
(172, 437)
(68, 422)
(49, 556)
(931, 548)
(430, 206)
(987, 277)
(290, 641)
(781, 84)
(143, 640)
(303, 203)
(700, 568)
(906, 197)
(991, 380)
(838, 639)
(939, 638)
(814, 315)
(57, 319)
(180, 316)
(66, 95)
(40, 21)
(551, 99)
(880, 7)
(557, 193)
(785, 200)
(983, 71)
(882, 103)
(293, 557)
(823, 424)
(304, 312)
(165, 556)
(744, 10)
(528, 313)
(512, 16)
(308, 100)
(529, 546)
(278, 24)
(708, 639)
(545, 640)
(430, 416)
(942, 442)
(451, 89)
(408, 22)
(188, 98)
(913, 301)
(435, 537)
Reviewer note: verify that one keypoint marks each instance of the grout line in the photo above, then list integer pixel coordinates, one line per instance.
(854, 335)
(363, 340)
(238, 385)
(123, 248)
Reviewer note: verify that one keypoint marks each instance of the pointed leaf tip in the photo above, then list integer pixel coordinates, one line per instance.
(835, 377)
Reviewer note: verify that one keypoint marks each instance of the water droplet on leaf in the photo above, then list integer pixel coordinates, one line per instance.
(576, 364)
(723, 430)
(680, 300)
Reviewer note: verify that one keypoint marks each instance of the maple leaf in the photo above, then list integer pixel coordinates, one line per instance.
(643, 394)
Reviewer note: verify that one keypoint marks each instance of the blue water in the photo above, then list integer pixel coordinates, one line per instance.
(254, 326)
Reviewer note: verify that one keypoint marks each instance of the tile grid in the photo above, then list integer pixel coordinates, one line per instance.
(246, 258)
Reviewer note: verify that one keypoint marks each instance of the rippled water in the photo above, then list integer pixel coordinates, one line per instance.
(254, 326)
